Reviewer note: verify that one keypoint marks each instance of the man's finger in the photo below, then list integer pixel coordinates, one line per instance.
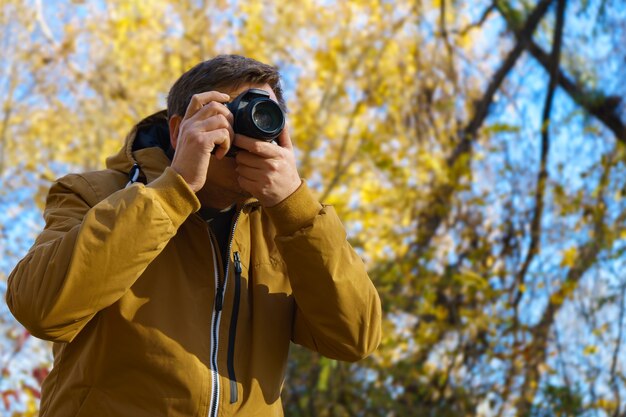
(251, 173)
(212, 109)
(221, 140)
(218, 121)
(284, 140)
(201, 99)
(257, 147)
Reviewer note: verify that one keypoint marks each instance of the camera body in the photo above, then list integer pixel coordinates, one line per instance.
(256, 115)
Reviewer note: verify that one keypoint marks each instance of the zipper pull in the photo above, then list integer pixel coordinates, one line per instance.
(237, 263)
(219, 299)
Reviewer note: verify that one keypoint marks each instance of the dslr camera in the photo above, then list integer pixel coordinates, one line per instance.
(256, 115)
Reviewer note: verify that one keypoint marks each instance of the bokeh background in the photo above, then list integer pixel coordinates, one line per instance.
(474, 149)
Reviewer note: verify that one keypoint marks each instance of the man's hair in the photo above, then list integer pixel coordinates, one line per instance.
(223, 71)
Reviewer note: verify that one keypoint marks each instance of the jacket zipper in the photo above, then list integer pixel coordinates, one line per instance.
(215, 326)
(233, 331)
(233, 321)
(220, 288)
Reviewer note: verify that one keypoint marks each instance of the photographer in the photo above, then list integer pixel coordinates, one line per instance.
(173, 281)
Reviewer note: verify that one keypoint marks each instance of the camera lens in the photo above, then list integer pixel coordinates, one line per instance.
(267, 116)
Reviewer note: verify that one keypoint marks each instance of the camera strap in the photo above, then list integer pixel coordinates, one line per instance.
(133, 175)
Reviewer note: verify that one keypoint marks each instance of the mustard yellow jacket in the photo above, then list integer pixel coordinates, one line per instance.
(148, 320)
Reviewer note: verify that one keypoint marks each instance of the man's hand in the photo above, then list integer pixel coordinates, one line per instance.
(207, 123)
(266, 170)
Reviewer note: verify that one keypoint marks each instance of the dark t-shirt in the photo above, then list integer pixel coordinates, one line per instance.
(220, 223)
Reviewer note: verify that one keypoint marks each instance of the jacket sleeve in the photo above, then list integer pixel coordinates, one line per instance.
(88, 257)
(338, 310)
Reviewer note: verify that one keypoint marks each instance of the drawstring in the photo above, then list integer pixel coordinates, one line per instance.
(133, 175)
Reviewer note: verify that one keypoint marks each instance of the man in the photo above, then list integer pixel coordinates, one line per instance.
(178, 293)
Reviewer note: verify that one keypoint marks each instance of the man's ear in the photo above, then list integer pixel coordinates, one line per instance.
(174, 124)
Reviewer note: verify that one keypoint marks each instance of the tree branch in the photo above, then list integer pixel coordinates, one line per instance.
(439, 207)
(587, 256)
(342, 167)
(618, 344)
(480, 22)
(535, 228)
(452, 73)
(602, 107)
(7, 111)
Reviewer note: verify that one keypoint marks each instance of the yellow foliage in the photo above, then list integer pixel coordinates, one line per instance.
(605, 403)
(590, 350)
(569, 257)
(375, 113)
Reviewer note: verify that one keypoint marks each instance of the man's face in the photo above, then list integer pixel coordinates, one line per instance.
(221, 187)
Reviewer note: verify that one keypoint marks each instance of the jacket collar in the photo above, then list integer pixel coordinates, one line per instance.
(150, 156)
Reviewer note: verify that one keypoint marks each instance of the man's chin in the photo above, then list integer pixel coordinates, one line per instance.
(245, 194)
(235, 190)
(225, 195)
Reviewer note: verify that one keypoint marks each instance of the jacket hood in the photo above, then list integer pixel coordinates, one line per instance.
(146, 146)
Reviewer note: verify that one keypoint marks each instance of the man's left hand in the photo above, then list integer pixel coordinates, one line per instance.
(267, 170)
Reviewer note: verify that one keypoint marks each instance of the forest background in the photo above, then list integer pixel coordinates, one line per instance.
(474, 149)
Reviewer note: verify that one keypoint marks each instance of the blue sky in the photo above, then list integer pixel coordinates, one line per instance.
(574, 149)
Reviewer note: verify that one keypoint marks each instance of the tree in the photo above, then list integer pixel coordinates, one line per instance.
(475, 151)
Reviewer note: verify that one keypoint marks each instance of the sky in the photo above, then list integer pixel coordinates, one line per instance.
(21, 220)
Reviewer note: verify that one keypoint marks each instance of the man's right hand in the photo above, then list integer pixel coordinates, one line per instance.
(207, 124)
